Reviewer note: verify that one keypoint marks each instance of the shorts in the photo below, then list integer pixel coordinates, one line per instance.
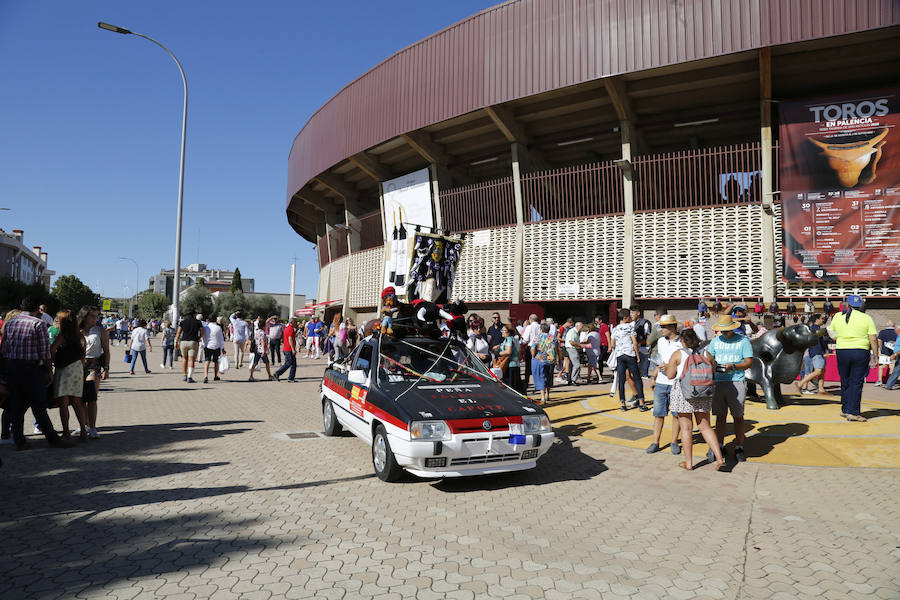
(818, 362)
(661, 393)
(311, 342)
(213, 354)
(189, 348)
(260, 356)
(729, 396)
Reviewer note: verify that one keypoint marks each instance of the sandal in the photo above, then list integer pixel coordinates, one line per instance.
(858, 418)
(720, 466)
(683, 464)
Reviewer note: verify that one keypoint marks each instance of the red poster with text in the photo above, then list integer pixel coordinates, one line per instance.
(840, 187)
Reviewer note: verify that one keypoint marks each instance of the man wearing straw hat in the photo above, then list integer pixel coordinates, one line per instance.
(666, 346)
(730, 354)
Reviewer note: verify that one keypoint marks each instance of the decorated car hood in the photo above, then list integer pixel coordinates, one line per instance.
(449, 401)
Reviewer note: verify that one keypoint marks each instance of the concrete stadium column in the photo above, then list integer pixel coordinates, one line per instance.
(628, 196)
(322, 238)
(331, 219)
(519, 256)
(352, 212)
(438, 174)
(768, 218)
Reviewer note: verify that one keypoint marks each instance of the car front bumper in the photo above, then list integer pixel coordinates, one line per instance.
(476, 453)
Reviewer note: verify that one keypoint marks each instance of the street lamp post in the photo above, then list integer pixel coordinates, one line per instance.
(177, 287)
(137, 280)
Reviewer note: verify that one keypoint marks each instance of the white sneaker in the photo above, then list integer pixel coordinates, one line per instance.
(162, 365)
(877, 384)
(92, 433)
(37, 430)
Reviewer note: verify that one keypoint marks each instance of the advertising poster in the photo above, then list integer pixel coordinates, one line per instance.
(407, 204)
(840, 187)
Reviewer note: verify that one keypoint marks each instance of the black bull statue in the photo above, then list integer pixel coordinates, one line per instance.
(777, 358)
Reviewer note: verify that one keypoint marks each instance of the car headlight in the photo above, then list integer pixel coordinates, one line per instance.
(536, 423)
(429, 430)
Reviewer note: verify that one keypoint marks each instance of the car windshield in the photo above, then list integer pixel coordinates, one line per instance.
(431, 361)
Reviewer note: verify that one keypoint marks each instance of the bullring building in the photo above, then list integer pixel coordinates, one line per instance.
(596, 153)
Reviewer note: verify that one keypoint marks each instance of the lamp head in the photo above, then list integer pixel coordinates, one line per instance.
(113, 28)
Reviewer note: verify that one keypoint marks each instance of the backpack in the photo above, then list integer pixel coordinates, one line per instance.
(828, 307)
(759, 308)
(810, 307)
(791, 307)
(702, 308)
(640, 330)
(773, 308)
(697, 377)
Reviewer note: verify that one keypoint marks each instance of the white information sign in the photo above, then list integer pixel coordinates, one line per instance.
(481, 238)
(407, 204)
(568, 288)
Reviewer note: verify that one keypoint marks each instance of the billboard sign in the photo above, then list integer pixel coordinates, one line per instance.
(407, 205)
(840, 187)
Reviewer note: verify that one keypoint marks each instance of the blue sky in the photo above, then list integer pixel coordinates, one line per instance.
(90, 125)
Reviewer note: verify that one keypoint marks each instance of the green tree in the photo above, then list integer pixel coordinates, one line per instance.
(236, 285)
(153, 305)
(229, 302)
(13, 291)
(71, 293)
(196, 300)
(263, 306)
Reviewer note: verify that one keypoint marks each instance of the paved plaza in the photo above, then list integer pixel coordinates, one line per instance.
(197, 491)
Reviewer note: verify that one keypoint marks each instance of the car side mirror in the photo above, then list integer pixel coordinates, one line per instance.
(358, 376)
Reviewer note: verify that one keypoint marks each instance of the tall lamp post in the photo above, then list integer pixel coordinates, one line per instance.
(177, 287)
(137, 280)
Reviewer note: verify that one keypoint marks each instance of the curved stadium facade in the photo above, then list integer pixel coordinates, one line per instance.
(607, 151)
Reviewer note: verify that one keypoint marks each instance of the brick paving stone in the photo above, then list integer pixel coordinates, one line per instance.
(189, 493)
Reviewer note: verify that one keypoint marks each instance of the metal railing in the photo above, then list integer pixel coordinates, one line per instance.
(722, 176)
(369, 229)
(479, 206)
(571, 192)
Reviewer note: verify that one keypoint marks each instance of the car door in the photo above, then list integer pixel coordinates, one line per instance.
(356, 418)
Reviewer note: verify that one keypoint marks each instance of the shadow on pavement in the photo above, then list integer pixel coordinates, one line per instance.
(563, 462)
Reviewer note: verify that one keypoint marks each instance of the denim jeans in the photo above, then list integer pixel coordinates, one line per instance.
(894, 376)
(275, 350)
(661, 393)
(134, 357)
(28, 388)
(853, 366)
(626, 362)
(289, 363)
(644, 359)
(168, 354)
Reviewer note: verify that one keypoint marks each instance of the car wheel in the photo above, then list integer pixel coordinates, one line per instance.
(386, 466)
(329, 419)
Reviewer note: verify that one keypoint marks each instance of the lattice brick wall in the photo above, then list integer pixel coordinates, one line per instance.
(833, 289)
(338, 278)
(587, 252)
(485, 273)
(366, 276)
(698, 252)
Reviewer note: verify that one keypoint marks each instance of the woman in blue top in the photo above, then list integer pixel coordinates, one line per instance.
(510, 347)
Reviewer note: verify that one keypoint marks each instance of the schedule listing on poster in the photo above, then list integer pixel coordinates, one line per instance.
(840, 179)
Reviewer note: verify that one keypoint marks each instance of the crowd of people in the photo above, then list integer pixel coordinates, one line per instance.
(60, 361)
(49, 362)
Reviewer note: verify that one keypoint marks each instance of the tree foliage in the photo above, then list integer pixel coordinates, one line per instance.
(229, 302)
(236, 285)
(263, 306)
(71, 293)
(196, 300)
(153, 305)
(13, 291)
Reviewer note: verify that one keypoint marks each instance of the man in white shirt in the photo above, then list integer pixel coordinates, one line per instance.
(529, 336)
(573, 345)
(239, 337)
(666, 346)
(122, 328)
(214, 342)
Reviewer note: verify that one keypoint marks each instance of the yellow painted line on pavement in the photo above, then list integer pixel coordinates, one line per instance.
(808, 431)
